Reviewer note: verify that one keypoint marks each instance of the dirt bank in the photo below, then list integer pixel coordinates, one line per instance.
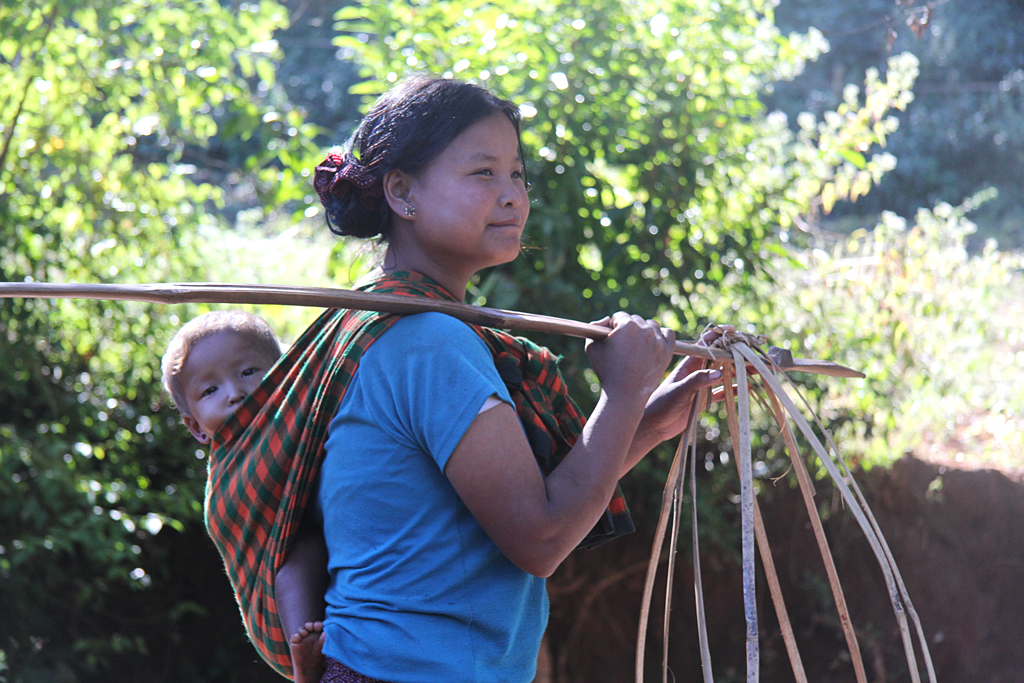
(957, 536)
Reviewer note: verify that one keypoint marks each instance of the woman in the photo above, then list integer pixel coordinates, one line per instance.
(440, 526)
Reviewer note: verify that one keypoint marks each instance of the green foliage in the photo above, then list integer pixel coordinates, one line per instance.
(106, 107)
(931, 326)
(658, 169)
(837, 163)
(303, 254)
(657, 173)
(965, 129)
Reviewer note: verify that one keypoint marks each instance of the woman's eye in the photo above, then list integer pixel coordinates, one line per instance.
(485, 171)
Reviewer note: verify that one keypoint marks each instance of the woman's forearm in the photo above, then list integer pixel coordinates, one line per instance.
(577, 492)
(536, 521)
(588, 474)
(644, 441)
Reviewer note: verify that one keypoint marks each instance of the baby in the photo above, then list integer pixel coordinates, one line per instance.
(212, 363)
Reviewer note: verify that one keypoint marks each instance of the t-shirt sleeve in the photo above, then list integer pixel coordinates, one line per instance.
(425, 380)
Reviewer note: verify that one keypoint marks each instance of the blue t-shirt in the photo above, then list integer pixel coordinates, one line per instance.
(418, 591)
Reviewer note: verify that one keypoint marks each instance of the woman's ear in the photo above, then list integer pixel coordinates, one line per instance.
(397, 189)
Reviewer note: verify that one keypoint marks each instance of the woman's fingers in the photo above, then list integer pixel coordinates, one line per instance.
(632, 359)
(695, 381)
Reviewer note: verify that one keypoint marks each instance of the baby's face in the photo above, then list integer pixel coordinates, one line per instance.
(220, 371)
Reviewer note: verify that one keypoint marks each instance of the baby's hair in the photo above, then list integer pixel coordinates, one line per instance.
(405, 129)
(206, 325)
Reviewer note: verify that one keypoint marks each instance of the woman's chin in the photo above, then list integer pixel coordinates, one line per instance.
(512, 255)
(506, 253)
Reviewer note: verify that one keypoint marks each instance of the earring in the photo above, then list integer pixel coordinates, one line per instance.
(410, 210)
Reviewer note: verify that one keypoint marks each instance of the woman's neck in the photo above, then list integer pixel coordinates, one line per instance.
(454, 283)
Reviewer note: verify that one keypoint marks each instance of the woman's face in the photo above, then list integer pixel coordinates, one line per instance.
(470, 205)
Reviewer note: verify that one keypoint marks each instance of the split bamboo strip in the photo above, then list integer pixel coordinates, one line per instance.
(762, 541)
(739, 427)
(686, 450)
(282, 295)
(674, 473)
(673, 546)
(746, 514)
(908, 605)
(698, 583)
(767, 560)
(775, 590)
(807, 491)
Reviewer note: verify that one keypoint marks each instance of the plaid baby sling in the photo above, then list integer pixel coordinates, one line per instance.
(265, 459)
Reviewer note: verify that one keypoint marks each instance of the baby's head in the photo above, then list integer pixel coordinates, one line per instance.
(212, 363)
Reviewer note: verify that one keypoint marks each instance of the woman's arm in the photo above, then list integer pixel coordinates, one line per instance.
(537, 521)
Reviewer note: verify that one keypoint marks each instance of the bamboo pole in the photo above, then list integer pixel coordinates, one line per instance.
(739, 430)
(323, 297)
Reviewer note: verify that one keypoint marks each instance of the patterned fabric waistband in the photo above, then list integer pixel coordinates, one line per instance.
(336, 672)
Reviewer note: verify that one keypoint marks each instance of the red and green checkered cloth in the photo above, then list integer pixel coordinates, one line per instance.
(265, 459)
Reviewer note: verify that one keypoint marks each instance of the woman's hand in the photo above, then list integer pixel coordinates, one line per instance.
(670, 406)
(631, 361)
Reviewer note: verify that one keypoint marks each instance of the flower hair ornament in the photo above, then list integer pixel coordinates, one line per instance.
(337, 175)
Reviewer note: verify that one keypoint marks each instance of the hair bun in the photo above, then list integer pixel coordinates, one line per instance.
(337, 175)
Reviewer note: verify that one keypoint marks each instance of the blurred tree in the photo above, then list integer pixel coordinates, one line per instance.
(311, 70)
(932, 326)
(107, 123)
(966, 125)
(658, 168)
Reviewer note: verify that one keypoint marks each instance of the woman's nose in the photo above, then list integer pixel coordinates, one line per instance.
(513, 194)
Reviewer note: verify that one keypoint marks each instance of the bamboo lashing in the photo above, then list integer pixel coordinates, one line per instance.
(325, 297)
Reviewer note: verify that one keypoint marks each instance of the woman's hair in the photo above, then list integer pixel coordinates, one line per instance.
(207, 325)
(406, 128)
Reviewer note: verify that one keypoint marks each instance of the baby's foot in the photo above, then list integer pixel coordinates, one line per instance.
(307, 648)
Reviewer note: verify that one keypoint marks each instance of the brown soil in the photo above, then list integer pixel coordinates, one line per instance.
(957, 536)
